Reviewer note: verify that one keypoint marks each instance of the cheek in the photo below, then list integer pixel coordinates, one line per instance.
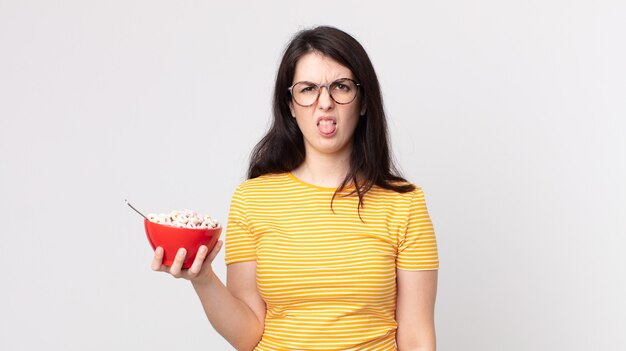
(300, 112)
(353, 118)
(303, 122)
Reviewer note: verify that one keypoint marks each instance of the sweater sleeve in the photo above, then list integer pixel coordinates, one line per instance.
(418, 246)
(240, 243)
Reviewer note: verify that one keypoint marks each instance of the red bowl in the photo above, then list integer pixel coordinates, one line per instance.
(173, 238)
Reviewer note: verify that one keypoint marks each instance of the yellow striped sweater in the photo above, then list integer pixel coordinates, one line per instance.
(328, 279)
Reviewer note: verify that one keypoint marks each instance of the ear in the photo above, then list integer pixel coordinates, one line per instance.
(363, 110)
(293, 113)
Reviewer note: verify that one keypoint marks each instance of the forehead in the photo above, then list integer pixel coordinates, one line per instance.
(315, 67)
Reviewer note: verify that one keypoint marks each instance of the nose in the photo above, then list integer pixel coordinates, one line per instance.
(325, 102)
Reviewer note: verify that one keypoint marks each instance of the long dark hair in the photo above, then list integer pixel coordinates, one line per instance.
(282, 148)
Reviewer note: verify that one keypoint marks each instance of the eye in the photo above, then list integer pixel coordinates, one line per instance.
(307, 88)
(342, 86)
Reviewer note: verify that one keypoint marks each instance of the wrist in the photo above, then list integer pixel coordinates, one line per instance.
(204, 280)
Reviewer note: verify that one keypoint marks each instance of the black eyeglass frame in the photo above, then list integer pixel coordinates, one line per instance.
(327, 86)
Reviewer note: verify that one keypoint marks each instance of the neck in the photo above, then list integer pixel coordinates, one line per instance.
(324, 170)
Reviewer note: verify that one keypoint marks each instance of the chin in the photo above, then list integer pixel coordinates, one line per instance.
(330, 149)
(326, 146)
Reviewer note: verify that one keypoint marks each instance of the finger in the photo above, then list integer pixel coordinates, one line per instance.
(211, 256)
(157, 260)
(197, 262)
(177, 265)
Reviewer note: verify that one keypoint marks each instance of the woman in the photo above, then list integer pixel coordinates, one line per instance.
(328, 248)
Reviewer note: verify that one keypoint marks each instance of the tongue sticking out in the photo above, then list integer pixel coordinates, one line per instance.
(326, 127)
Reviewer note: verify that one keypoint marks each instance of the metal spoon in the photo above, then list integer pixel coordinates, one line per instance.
(131, 206)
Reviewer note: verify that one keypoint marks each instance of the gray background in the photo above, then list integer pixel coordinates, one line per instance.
(509, 114)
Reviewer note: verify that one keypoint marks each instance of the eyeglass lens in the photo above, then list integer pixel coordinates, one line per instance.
(343, 91)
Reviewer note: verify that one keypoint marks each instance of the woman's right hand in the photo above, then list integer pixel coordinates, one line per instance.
(200, 269)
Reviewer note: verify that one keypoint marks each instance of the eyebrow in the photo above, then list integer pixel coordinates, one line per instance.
(314, 82)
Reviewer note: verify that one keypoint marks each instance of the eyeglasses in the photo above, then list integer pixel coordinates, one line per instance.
(342, 91)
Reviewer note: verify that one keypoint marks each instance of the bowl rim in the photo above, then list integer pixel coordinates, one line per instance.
(183, 228)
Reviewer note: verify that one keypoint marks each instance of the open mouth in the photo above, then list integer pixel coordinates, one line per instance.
(327, 126)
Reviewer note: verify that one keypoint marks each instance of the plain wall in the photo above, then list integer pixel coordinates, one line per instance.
(509, 114)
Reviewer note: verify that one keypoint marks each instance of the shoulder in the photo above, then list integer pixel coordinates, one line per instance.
(410, 191)
(260, 183)
(398, 200)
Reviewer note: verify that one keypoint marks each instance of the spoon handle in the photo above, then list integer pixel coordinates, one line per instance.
(131, 206)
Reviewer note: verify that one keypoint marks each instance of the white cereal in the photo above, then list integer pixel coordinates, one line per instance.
(184, 219)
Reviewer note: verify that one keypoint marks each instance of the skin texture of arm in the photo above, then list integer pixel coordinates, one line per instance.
(415, 310)
(237, 312)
